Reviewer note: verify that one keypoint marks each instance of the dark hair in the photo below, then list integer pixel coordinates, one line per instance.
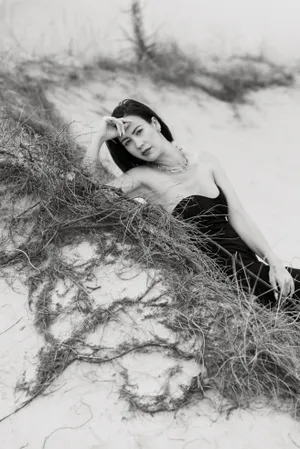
(125, 160)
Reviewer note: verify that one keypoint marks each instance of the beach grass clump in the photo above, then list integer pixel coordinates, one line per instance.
(229, 80)
(250, 353)
(165, 62)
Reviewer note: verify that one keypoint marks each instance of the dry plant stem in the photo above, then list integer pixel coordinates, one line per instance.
(27, 402)
(229, 81)
(297, 445)
(10, 327)
(69, 427)
(92, 359)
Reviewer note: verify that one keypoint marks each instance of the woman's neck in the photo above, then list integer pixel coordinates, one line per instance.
(171, 156)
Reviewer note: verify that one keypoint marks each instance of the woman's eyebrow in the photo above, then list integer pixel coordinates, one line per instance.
(123, 140)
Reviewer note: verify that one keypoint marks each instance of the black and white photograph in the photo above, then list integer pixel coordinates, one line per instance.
(149, 224)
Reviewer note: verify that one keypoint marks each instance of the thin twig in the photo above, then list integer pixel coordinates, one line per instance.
(23, 252)
(69, 427)
(11, 326)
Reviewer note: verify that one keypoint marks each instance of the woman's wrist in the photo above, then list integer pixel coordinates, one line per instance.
(272, 259)
(97, 141)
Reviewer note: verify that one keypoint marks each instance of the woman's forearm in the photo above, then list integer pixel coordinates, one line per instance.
(252, 236)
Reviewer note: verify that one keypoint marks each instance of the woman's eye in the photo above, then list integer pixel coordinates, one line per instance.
(139, 130)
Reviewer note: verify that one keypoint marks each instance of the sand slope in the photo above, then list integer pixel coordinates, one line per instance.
(87, 406)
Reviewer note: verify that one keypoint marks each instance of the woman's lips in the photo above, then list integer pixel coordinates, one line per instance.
(144, 153)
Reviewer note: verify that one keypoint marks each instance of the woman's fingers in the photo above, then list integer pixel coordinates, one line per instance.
(120, 123)
(125, 123)
(273, 283)
(281, 279)
(290, 283)
(123, 129)
(120, 129)
(109, 119)
(285, 289)
(115, 122)
(126, 120)
(292, 287)
(288, 286)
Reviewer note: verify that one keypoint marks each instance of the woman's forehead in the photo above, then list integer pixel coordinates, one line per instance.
(135, 119)
(135, 122)
(132, 125)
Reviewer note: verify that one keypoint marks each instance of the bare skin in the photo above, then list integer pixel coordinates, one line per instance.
(147, 182)
(166, 189)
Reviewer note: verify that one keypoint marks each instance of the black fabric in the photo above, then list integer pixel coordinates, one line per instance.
(224, 245)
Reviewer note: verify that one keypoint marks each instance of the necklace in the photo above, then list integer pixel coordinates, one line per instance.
(179, 168)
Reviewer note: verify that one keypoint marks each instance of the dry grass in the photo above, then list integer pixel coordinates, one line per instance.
(164, 62)
(250, 353)
(229, 80)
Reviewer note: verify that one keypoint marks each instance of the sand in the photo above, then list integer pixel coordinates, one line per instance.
(87, 407)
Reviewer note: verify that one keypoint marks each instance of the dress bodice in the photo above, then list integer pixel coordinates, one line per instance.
(211, 216)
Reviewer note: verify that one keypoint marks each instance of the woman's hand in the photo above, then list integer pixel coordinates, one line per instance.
(111, 127)
(281, 279)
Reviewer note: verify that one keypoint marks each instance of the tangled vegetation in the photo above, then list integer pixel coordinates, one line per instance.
(166, 62)
(226, 80)
(49, 203)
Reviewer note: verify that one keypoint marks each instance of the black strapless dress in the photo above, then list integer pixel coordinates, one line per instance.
(224, 245)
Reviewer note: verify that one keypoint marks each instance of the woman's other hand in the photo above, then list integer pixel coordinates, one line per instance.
(281, 280)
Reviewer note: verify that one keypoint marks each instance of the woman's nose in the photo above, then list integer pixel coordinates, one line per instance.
(139, 142)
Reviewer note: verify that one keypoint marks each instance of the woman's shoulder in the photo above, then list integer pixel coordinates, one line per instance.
(140, 171)
(143, 173)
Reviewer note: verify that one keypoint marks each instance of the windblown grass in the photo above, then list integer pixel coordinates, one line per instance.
(48, 202)
(228, 80)
(164, 61)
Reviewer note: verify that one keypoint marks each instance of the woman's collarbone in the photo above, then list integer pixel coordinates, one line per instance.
(167, 189)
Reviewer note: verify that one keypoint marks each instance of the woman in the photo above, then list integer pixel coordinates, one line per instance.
(157, 169)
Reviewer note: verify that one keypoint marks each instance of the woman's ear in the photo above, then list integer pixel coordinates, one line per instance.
(155, 123)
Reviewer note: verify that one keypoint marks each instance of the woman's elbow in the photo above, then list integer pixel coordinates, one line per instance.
(128, 183)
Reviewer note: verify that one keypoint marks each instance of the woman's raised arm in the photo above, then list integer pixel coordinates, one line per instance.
(109, 128)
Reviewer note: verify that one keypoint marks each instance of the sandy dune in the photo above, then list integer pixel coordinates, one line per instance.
(87, 406)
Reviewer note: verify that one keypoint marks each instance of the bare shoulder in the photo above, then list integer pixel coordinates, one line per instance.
(141, 173)
(140, 169)
(217, 170)
(132, 182)
(222, 180)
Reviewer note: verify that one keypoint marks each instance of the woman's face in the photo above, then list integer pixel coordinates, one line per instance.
(142, 139)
